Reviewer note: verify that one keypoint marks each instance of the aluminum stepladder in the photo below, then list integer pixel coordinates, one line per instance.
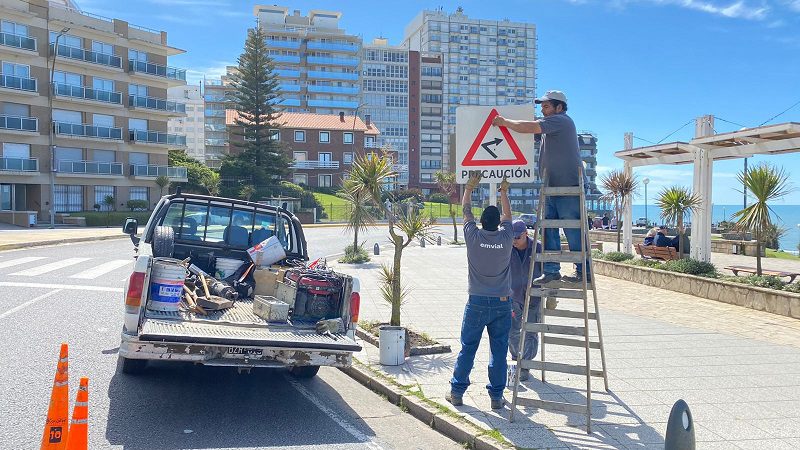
(566, 290)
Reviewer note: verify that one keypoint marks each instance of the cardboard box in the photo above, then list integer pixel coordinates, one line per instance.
(270, 309)
(266, 280)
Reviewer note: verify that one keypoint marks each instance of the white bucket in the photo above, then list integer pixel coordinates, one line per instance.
(267, 252)
(225, 267)
(392, 345)
(166, 284)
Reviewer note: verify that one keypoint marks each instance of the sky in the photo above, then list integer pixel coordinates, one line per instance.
(645, 66)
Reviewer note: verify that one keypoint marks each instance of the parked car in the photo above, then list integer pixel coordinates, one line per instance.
(641, 222)
(529, 219)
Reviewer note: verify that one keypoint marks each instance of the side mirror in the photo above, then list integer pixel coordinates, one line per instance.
(131, 226)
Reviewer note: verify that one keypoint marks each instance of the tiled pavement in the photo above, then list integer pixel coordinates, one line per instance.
(738, 369)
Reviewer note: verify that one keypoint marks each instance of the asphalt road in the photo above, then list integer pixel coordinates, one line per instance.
(72, 293)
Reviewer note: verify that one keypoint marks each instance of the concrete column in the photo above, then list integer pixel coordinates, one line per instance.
(627, 216)
(701, 220)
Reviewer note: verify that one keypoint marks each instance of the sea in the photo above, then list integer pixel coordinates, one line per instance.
(787, 216)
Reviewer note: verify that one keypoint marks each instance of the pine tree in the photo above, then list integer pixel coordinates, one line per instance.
(261, 159)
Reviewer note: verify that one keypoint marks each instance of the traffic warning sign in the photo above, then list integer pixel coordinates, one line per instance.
(496, 152)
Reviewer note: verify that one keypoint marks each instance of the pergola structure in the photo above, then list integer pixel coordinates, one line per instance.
(702, 151)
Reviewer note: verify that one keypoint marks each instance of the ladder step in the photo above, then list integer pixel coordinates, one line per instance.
(560, 223)
(568, 313)
(568, 190)
(565, 257)
(551, 405)
(561, 284)
(555, 329)
(560, 293)
(553, 367)
(570, 342)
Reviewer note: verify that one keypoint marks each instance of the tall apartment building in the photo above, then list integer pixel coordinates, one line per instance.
(587, 142)
(426, 140)
(216, 138)
(318, 63)
(107, 103)
(191, 126)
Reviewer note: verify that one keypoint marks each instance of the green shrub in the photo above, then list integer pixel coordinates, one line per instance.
(792, 287)
(354, 256)
(652, 263)
(115, 218)
(598, 254)
(617, 256)
(691, 267)
(438, 197)
(137, 205)
(768, 282)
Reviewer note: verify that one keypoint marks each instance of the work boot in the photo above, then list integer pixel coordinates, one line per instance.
(547, 278)
(524, 374)
(498, 403)
(576, 277)
(455, 400)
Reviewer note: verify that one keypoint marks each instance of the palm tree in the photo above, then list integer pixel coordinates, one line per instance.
(247, 191)
(211, 183)
(360, 216)
(109, 202)
(619, 187)
(163, 182)
(675, 202)
(368, 176)
(447, 184)
(765, 183)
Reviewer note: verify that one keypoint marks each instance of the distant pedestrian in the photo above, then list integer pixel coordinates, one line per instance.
(606, 221)
(521, 258)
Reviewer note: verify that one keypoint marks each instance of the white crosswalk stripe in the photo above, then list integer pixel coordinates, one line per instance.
(39, 270)
(18, 261)
(102, 269)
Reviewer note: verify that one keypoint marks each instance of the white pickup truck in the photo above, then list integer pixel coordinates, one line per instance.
(205, 228)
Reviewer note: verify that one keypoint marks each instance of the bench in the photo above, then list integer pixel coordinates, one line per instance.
(659, 253)
(753, 271)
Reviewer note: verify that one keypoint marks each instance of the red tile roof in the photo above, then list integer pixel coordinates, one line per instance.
(309, 121)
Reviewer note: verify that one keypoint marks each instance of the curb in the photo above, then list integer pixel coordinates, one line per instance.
(459, 430)
(415, 351)
(20, 245)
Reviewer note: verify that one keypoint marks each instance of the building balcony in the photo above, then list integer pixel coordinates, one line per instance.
(216, 142)
(176, 173)
(85, 93)
(215, 113)
(87, 131)
(147, 68)
(290, 59)
(400, 168)
(157, 138)
(19, 123)
(90, 167)
(22, 84)
(325, 75)
(287, 73)
(215, 98)
(349, 48)
(325, 60)
(333, 89)
(157, 104)
(333, 104)
(79, 54)
(289, 87)
(286, 102)
(315, 165)
(17, 41)
(371, 145)
(19, 164)
(272, 43)
(214, 127)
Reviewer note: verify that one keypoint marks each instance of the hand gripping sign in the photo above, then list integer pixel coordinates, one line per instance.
(496, 152)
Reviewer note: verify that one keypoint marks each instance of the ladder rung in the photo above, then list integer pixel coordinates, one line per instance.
(569, 190)
(568, 313)
(555, 329)
(560, 284)
(565, 257)
(570, 342)
(560, 223)
(553, 367)
(553, 292)
(551, 405)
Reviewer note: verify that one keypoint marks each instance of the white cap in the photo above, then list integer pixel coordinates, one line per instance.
(552, 95)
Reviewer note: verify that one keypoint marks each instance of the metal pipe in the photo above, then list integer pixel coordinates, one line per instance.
(51, 134)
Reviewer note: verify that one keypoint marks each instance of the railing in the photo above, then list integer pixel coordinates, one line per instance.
(216, 142)
(80, 54)
(289, 87)
(90, 167)
(292, 59)
(332, 89)
(400, 168)
(86, 130)
(15, 40)
(69, 90)
(19, 123)
(311, 45)
(160, 104)
(214, 98)
(315, 165)
(333, 75)
(333, 104)
(19, 83)
(214, 113)
(332, 61)
(287, 73)
(286, 101)
(19, 164)
(282, 44)
(157, 69)
(150, 170)
(371, 145)
(157, 137)
(586, 154)
(215, 127)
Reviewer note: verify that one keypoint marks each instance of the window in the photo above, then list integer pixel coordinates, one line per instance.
(275, 135)
(68, 198)
(299, 136)
(347, 157)
(138, 193)
(347, 137)
(16, 70)
(300, 178)
(324, 180)
(137, 89)
(102, 47)
(137, 55)
(137, 124)
(300, 156)
(69, 78)
(325, 156)
(369, 141)
(103, 120)
(13, 28)
(324, 137)
(100, 194)
(101, 84)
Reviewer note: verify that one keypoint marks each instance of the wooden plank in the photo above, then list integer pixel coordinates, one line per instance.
(565, 257)
(568, 313)
(570, 342)
(555, 329)
(560, 223)
(551, 405)
(558, 293)
(562, 191)
(553, 367)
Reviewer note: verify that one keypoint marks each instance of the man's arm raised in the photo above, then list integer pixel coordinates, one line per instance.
(520, 126)
(505, 214)
(466, 200)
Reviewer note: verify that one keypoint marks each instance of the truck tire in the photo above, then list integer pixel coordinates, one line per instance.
(163, 242)
(132, 366)
(304, 371)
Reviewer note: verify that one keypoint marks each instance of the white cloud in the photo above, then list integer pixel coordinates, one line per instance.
(794, 5)
(740, 9)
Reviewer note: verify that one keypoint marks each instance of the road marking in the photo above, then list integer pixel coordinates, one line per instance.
(104, 268)
(51, 267)
(18, 261)
(60, 286)
(355, 432)
(28, 303)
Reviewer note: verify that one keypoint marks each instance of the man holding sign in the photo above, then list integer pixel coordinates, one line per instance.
(560, 160)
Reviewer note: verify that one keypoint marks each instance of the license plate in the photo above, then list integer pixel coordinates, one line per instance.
(244, 351)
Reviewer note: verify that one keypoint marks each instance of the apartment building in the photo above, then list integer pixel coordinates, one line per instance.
(323, 146)
(191, 126)
(108, 107)
(318, 63)
(426, 140)
(587, 142)
(215, 94)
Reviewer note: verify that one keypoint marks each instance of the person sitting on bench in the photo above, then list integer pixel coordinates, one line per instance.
(661, 239)
(650, 238)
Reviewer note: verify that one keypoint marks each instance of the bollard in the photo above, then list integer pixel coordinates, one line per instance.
(422, 243)
(439, 240)
(376, 249)
(680, 428)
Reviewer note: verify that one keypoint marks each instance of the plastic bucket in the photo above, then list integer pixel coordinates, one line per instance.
(226, 267)
(392, 345)
(166, 284)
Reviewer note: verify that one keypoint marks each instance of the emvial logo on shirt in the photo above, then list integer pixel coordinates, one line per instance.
(500, 246)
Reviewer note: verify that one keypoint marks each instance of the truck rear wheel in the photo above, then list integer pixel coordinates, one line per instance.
(132, 366)
(163, 242)
(304, 371)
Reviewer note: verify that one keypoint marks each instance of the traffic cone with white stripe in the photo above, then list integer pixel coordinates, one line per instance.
(79, 427)
(56, 426)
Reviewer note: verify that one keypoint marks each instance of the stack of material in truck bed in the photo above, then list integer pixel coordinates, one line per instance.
(267, 279)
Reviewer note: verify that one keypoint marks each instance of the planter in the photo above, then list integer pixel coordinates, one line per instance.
(413, 345)
(736, 236)
(392, 345)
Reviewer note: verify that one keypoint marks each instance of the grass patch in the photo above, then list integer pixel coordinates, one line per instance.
(354, 255)
(780, 255)
(336, 208)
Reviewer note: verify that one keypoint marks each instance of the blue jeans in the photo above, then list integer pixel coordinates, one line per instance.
(531, 339)
(494, 314)
(564, 208)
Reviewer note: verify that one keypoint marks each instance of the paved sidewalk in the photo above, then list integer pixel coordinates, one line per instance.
(738, 369)
(17, 237)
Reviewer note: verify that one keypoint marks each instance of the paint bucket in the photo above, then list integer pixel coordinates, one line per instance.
(226, 267)
(392, 345)
(166, 284)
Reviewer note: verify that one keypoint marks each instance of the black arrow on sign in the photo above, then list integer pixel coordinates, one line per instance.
(495, 142)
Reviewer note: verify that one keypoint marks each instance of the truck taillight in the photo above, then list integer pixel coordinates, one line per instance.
(355, 306)
(135, 285)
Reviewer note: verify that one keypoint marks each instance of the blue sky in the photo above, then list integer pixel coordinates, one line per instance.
(646, 66)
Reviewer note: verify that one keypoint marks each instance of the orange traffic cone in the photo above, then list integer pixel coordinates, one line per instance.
(79, 427)
(56, 426)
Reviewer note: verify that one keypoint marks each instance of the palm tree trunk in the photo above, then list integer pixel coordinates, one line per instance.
(680, 237)
(455, 226)
(355, 238)
(758, 252)
(617, 212)
(398, 255)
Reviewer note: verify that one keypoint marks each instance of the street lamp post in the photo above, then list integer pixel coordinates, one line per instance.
(646, 220)
(52, 131)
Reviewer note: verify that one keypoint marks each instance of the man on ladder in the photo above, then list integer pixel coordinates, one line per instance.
(560, 161)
